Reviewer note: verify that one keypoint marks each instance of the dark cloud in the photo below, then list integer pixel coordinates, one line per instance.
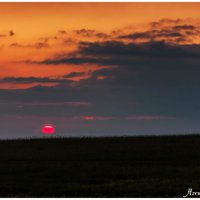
(167, 22)
(48, 38)
(173, 35)
(16, 45)
(91, 33)
(74, 74)
(151, 49)
(146, 65)
(38, 45)
(137, 35)
(172, 31)
(62, 32)
(117, 53)
(33, 80)
(185, 27)
(69, 41)
(67, 60)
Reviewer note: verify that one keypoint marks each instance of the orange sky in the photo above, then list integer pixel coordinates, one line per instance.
(43, 18)
(33, 19)
(32, 23)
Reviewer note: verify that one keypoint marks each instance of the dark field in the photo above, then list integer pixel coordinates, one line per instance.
(100, 167)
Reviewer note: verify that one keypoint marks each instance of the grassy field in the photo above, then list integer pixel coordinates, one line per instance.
(100, 167)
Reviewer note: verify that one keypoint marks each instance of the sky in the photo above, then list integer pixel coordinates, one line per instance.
(99, 69)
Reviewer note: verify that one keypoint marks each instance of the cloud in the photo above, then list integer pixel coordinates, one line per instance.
(27, 79)
(62, 32)
(184, 27)
(93, 118)
(148, 118)
(171, 31)
(118, 48)
(144, 66)
(65, 60)
(74, 74)
(134, 118)
(150, 49)
(114, 53)
(169, 22)
(38, 45)
(29, 82)
(91, 33)
(44, 104)
(155, 34)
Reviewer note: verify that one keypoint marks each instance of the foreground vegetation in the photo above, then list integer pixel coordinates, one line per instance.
(100, 167)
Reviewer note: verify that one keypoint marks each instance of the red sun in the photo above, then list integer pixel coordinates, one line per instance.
(48, 129)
